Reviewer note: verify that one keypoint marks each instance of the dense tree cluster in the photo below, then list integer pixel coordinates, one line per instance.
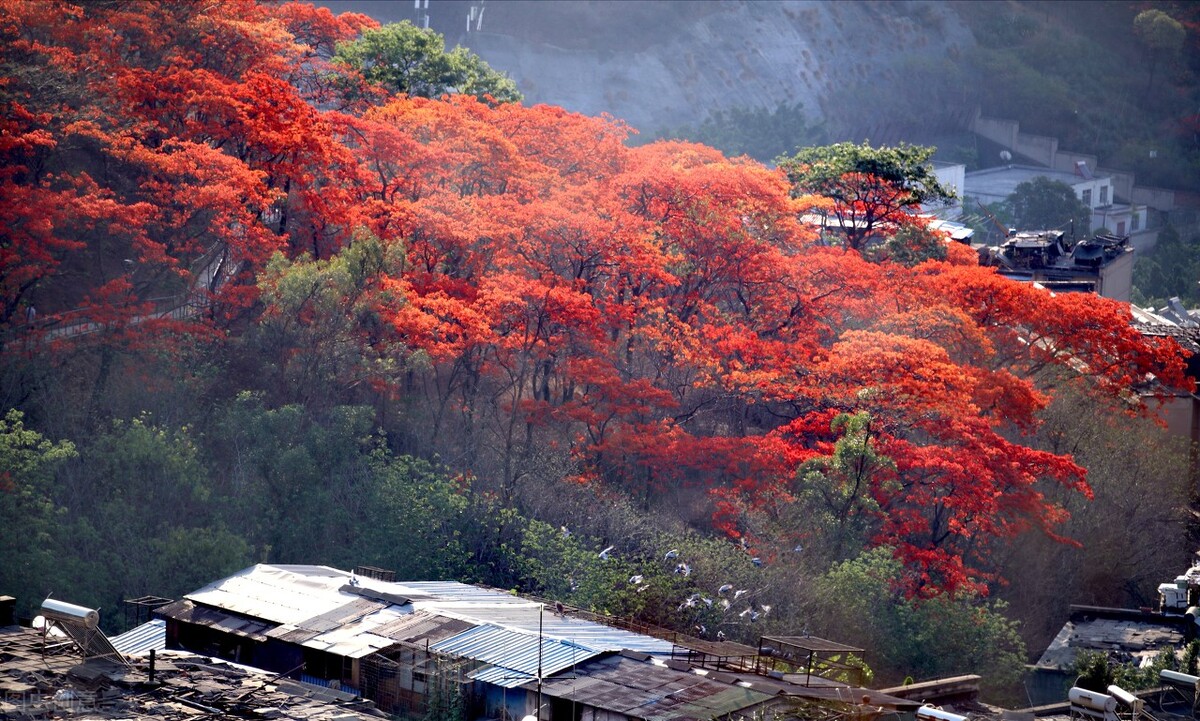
(262, 279)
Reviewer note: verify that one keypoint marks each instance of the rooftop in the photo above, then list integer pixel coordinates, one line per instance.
(1046, 255)
(335, 611)
(1003, 180)
(640, 688)
(44, 678)
(1126, 635)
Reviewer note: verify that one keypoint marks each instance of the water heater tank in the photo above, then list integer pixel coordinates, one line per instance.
(55, 610)
(933, 713)
(1179, 679)
(1092, 700)
(1127, 699)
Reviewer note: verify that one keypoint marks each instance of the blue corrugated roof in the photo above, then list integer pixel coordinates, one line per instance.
(513, 655)
(139, 640)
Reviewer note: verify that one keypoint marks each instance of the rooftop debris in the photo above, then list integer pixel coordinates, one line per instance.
(43, 678)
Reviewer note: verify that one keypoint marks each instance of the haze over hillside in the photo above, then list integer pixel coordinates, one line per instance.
(664, 64)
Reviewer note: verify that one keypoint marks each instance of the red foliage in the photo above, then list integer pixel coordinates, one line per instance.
(659, 311)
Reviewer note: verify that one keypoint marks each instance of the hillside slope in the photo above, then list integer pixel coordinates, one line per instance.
(663, 64)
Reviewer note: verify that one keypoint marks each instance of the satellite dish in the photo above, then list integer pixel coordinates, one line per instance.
(1005, 155)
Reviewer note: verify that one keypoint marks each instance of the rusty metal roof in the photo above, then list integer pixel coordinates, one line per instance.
(422, 626)
(648, 690)
(233, 623)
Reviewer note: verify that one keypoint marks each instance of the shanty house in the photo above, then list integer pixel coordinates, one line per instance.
(417, 648)
(406, 646)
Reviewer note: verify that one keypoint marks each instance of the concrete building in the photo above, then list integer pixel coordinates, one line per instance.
(953, 177)
(1102, 265)
(994, 185)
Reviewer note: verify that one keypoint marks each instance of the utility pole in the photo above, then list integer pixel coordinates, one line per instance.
(541, 612)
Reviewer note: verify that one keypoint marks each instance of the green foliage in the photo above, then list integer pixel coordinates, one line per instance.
(296, 479)
(911, 245)
(1170, 269)
(837, 503)
(406, 59)
(870, 187)
(29, 516)
(1045, 204)
(822, 170)
(763, 134)
(1097, 671)
(316, 314)
(446, 702)
(1159, 31)
(926, 639)
(188, 558)
(143, 510)
(1188, 661)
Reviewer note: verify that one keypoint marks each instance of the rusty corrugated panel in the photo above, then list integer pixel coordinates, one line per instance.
(342, 615)
(420, 626)
(188, 612)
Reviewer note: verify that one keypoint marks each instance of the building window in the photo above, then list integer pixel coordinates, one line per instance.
(1133, 223)
(1087, 197)
(1103, 195)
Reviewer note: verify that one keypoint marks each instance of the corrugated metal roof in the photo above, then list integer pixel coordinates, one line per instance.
(515, 656)
(342, 615)
(527, 616)
(329, 609)
(141, 639)
(360, 637)
(282, 594)
(422, 626)
(647, 690)
(238, 625)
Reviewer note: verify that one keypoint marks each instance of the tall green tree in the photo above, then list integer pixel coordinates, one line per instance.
(873, 189)
(1162, 35)
(403, 58)
(28, 514)
(1045, 204)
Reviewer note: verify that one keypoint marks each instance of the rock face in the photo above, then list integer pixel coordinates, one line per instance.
(657, 63)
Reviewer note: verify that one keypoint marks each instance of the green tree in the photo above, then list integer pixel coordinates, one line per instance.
(321, 335)
(1045, 204)
(837, 507)
(1162, 34)
(857, 600)
(873, 189)
(29, 517)
(1170, 269)
(138, 492)
(911, 245)
(403, 58)
(296, 482)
